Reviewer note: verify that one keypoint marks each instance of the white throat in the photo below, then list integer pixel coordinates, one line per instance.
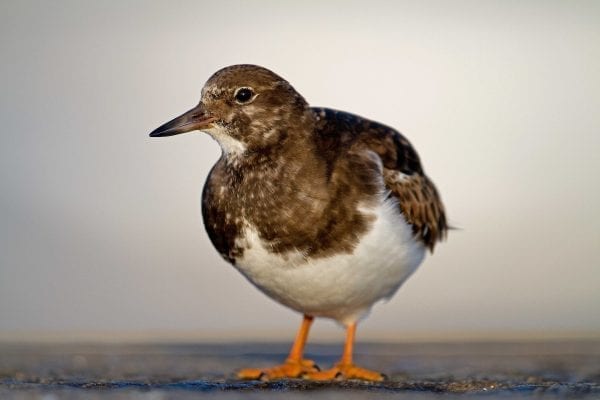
(229, 145)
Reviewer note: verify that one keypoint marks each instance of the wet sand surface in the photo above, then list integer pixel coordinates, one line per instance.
(182, 371)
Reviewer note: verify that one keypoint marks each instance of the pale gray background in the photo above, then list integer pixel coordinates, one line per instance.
(100, 226)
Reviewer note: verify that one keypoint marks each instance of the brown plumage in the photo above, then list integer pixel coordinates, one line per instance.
(403, 174)
(324, 211)
(295, 152)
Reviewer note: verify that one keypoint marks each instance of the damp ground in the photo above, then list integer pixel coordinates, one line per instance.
(185, 371)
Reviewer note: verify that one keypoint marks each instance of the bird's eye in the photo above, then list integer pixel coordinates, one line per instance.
(243, 95)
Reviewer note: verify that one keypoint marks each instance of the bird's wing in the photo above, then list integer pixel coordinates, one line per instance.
(404, 177)
(420, 204)
(403, 174)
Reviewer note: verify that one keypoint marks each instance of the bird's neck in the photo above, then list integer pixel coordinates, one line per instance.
(292, 143)
(300, 150)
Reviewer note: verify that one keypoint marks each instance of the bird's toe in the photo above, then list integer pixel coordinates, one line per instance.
(290, 369)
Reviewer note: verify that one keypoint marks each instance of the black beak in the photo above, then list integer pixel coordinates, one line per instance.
(195, 119)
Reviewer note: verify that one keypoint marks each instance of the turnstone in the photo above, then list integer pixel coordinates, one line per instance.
(324, 211)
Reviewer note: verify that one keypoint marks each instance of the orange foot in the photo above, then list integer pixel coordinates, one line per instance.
(346, 371)
(290, 369)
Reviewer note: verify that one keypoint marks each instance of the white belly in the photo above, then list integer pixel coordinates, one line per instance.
(342, 287)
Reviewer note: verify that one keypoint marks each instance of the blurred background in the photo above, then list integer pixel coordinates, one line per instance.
(100, 228)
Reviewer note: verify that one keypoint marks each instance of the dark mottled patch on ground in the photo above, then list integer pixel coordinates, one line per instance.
(492, 370)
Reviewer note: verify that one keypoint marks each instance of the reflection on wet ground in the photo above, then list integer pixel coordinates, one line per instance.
(163, 371)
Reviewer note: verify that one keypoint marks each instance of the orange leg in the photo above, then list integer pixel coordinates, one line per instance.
(294, 367)
(346, 369)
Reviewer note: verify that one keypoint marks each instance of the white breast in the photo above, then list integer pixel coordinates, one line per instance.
(342, 287)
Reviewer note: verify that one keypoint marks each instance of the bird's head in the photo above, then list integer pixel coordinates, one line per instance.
(245, 108)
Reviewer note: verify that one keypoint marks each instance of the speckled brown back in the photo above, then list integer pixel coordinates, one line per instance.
(304, 197)
(403, 174)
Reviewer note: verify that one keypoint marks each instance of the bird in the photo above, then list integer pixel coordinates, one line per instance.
(324, 211)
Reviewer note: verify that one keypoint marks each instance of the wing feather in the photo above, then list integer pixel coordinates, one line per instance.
(420, 204)
(404, 177)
